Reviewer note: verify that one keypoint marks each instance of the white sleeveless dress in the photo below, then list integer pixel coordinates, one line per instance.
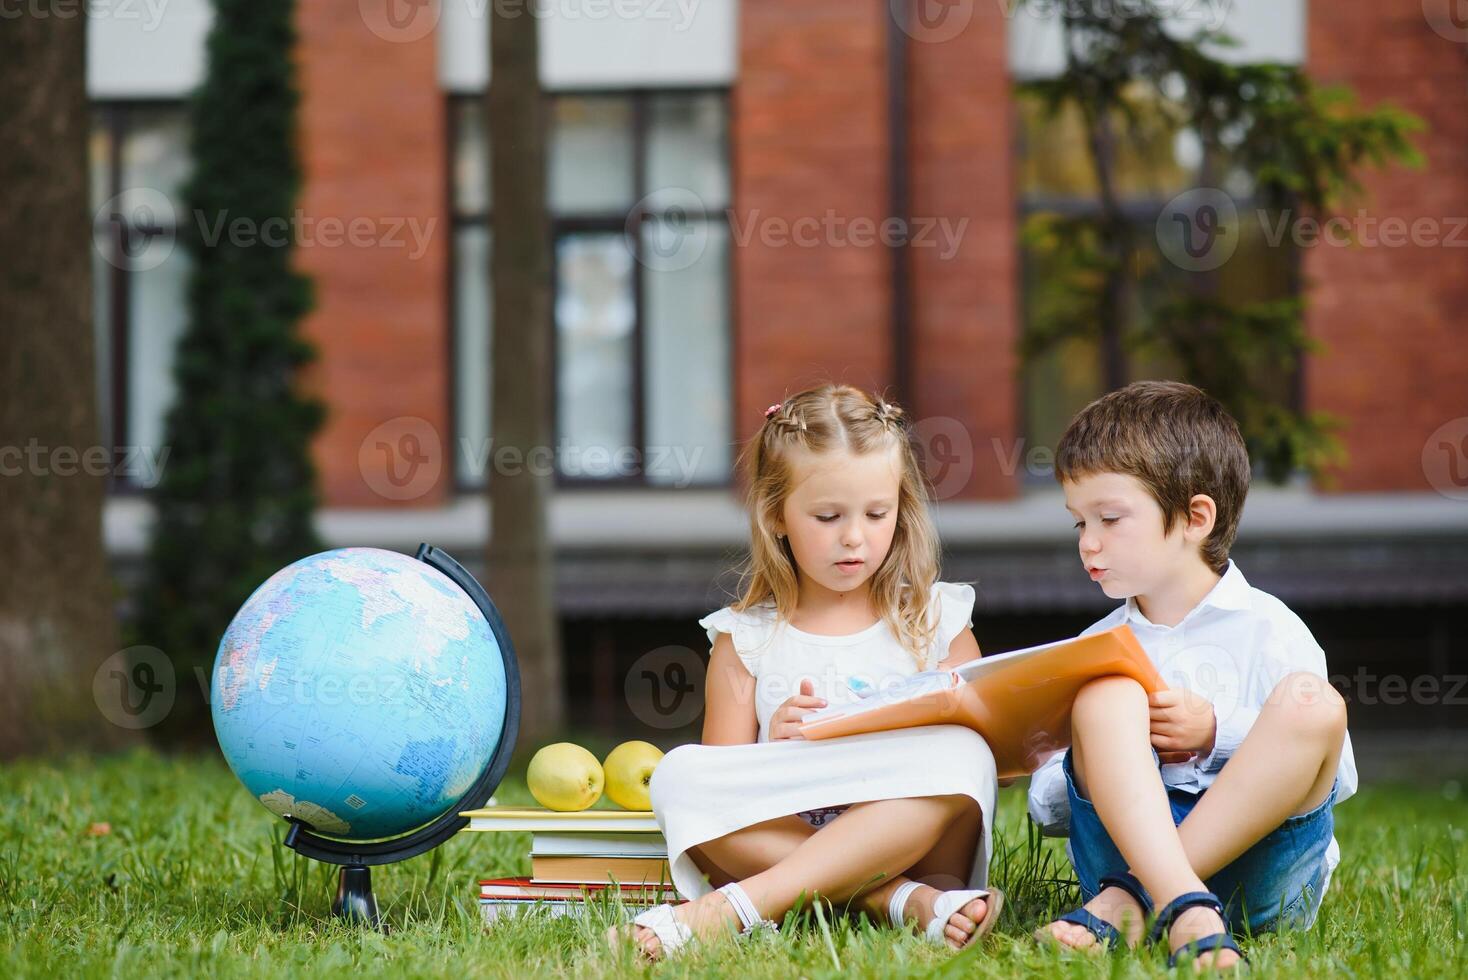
(703, 792)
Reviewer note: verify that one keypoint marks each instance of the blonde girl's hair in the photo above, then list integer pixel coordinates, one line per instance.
(825, 419)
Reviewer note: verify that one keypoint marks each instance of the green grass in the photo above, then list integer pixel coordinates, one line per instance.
(192, 881)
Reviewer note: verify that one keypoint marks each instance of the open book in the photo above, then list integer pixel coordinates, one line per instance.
(1019, 701)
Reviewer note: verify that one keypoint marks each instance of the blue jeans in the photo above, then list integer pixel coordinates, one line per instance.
(1276, 884)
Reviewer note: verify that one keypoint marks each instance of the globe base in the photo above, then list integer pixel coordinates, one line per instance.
(354, 899)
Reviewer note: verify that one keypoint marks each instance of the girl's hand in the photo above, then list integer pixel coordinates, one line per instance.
(1183, 725)
(785, 722)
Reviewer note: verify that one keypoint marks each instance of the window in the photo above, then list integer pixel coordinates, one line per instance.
(637, 188)
(1151, 168)
(139, 159)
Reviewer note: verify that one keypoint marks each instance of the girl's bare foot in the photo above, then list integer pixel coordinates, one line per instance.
(705, 916)
(961, 925)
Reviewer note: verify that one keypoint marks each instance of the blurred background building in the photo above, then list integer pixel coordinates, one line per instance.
(780, 136)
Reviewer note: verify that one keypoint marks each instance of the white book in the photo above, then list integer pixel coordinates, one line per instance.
(537, 820)
(493, 910)
(598, 845)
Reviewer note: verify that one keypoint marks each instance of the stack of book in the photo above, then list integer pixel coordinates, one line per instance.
(576, 858)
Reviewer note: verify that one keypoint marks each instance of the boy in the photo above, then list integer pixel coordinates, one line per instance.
(1250, 742)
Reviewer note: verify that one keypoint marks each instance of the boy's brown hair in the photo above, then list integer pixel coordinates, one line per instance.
(1177, 441)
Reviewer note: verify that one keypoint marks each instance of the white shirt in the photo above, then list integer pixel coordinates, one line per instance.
(1233, 647)
(779, 656)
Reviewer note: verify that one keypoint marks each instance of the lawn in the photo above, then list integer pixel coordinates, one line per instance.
(191, 880)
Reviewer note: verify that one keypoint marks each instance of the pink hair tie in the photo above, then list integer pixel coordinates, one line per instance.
(772, 410)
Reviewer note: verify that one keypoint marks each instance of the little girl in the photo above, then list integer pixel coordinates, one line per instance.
(841, 595)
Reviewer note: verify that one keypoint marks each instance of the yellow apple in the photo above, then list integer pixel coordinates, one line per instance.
(629, 771)
(565, 777)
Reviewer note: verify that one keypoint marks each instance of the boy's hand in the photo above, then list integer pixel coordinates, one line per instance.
(785, 722)
(1183, 725)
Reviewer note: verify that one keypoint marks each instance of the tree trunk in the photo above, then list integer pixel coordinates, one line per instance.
(520, 560)
(57, 620)
(1115, 230)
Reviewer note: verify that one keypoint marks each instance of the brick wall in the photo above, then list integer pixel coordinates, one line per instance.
(372, 145)
(964, 297)
(810, 142)
(1393, 317)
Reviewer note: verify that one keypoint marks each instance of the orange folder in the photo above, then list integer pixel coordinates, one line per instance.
(1019, 701)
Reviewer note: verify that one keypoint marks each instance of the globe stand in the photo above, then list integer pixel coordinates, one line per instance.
(354, 899)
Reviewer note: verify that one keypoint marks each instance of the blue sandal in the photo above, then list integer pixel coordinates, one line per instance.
(1208, 944)
(1106, 933)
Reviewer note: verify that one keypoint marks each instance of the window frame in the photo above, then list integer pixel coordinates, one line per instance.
(1142, 209)
(113, 115)
(604, 222)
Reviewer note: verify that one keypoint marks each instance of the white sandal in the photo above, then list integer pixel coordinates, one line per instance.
(943, 909)
(675, 935)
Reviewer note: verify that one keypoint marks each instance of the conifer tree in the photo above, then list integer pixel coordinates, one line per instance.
(236, 499)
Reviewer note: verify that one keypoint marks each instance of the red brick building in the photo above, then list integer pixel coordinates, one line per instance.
(754, 154)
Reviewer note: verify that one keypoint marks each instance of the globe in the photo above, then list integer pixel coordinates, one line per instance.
(360, 692)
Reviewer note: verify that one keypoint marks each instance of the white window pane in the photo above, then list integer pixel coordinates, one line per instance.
(472, 311)
(595, 315)
(471, 157)
(155, 152)
(686, 325)
(156, 318)
(591, 158)
(686, 147)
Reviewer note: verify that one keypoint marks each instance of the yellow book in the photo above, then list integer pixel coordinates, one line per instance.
(590, 870)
